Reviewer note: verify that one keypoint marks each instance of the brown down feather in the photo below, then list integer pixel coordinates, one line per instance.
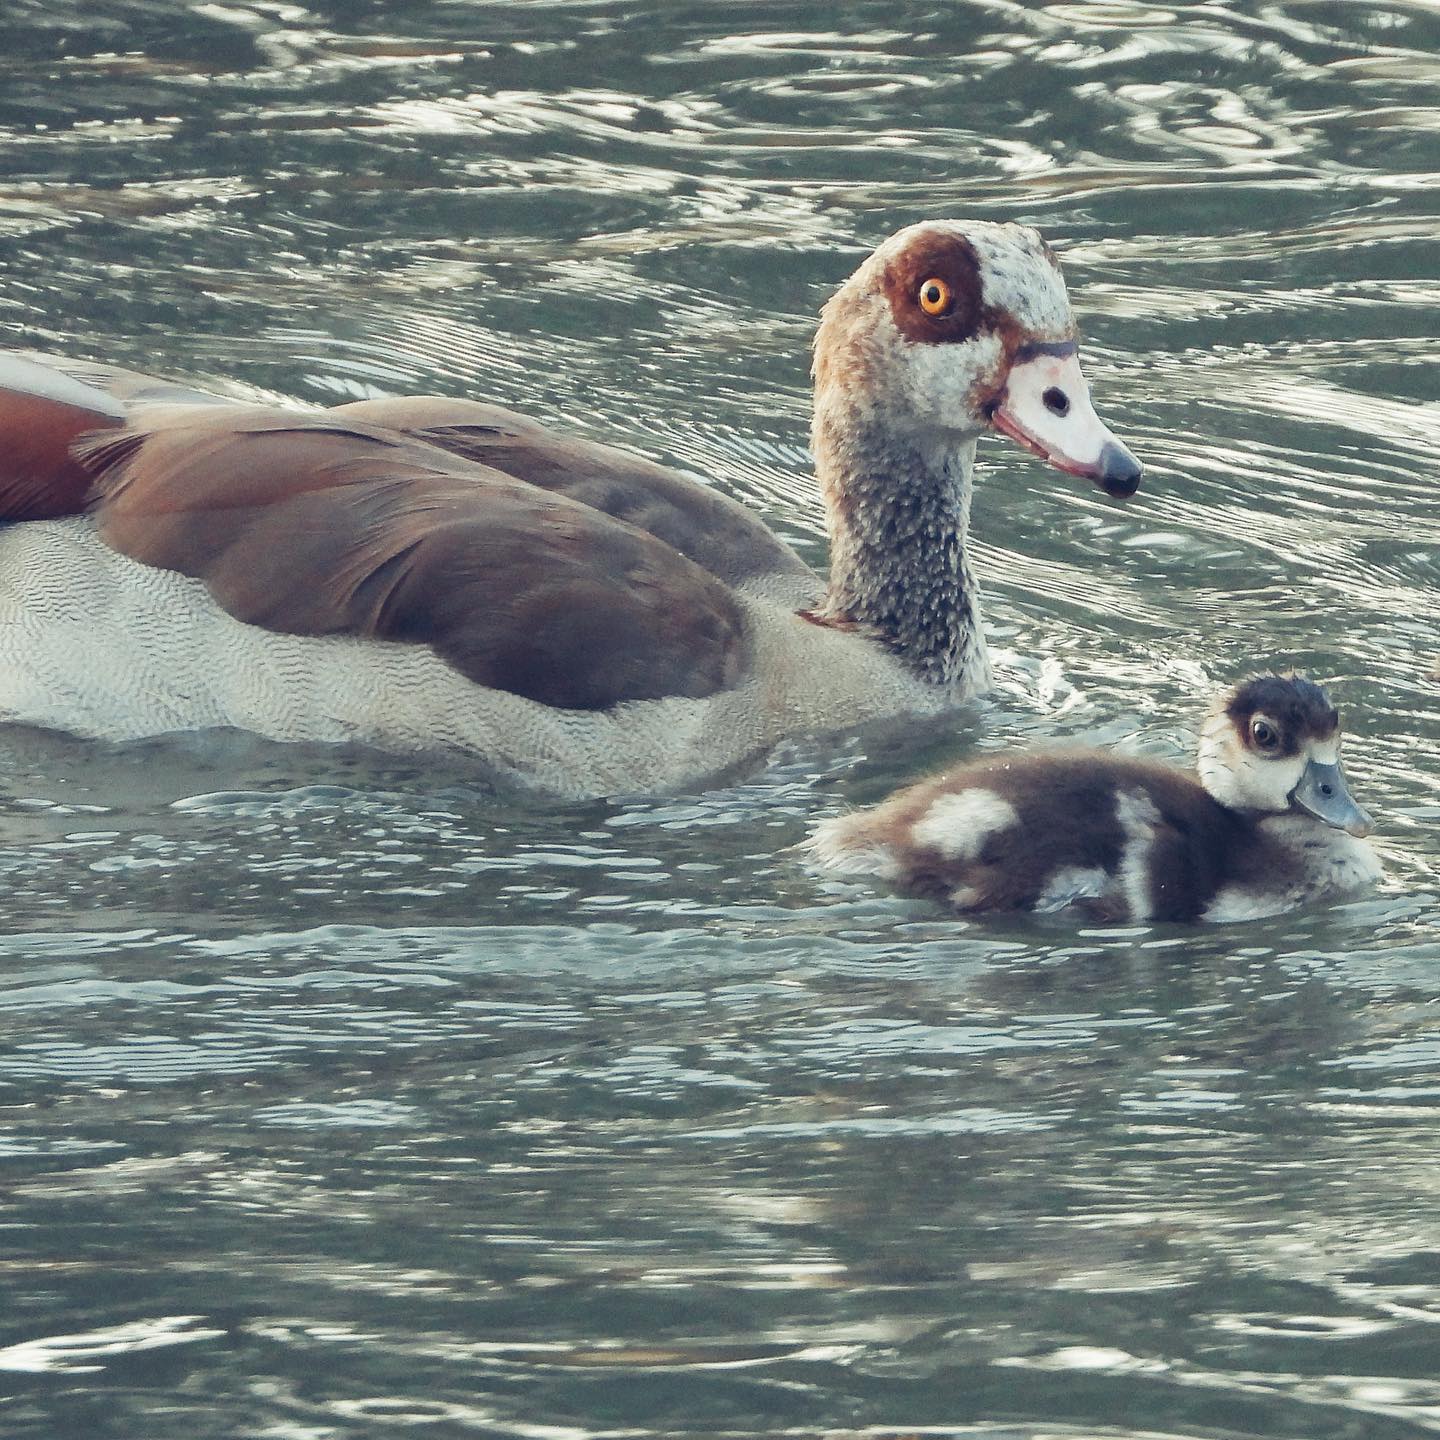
(1065, 804)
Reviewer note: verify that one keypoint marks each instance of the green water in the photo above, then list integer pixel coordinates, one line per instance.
(340, 1099)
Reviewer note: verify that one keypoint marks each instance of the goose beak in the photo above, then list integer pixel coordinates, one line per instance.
(1322, 792)
(1045, 406)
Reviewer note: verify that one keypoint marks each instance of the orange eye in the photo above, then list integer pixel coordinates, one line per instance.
(935, 297)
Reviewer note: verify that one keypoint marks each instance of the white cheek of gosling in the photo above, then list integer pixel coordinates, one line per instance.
(1242, 778)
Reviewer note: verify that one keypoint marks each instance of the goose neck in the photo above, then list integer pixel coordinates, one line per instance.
(898, 512)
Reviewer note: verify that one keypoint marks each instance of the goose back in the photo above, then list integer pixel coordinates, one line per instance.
(313, 525)
(710, 528)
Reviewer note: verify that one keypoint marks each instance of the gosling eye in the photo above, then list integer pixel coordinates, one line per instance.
(1264, 734)
(936, 297)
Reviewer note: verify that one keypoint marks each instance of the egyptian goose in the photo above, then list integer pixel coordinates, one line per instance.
(1266, 825)
(432, 573)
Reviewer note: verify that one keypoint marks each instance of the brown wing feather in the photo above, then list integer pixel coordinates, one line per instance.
(48, 401)
(317, 526)
(713, 530)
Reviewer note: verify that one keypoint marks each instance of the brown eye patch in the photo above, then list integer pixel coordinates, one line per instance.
(934, 289)
(1294, 708)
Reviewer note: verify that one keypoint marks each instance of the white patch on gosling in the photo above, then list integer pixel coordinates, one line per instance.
(1268, 784)
(1069, 884)
(1137, 815)
(958, 825)
(1234, 904)
(1241, 779)
(1219, 760)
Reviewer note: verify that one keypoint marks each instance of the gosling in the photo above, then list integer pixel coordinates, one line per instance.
(1266, 826)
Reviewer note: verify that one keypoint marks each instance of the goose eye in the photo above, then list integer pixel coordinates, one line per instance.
(936, 297)
(1264, 734)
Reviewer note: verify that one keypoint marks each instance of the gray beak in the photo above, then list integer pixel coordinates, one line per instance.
(1323, 793)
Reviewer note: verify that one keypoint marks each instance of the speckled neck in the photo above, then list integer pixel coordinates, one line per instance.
(898, 514)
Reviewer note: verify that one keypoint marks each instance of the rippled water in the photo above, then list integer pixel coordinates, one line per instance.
(342, 1099)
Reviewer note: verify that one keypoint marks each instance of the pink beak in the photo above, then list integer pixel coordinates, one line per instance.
(1045, 405)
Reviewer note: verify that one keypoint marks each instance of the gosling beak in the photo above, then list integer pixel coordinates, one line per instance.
(1045, 405)
(1322, 792)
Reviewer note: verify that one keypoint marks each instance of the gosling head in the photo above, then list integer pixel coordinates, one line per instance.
(1273, 744)
(951, 328)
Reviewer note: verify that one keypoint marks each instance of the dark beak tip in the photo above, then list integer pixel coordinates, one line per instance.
(1121, 487)
(1120, 472)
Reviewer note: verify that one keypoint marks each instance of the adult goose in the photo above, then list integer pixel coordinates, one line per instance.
(434, 573)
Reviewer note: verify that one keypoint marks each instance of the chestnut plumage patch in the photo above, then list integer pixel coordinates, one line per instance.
(41, 413)
(47, 403)
(38, 478)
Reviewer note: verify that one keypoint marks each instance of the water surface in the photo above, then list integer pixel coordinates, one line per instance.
(340, 1098)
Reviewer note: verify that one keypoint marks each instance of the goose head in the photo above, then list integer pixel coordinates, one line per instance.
(1272, 744)
(952, 328)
